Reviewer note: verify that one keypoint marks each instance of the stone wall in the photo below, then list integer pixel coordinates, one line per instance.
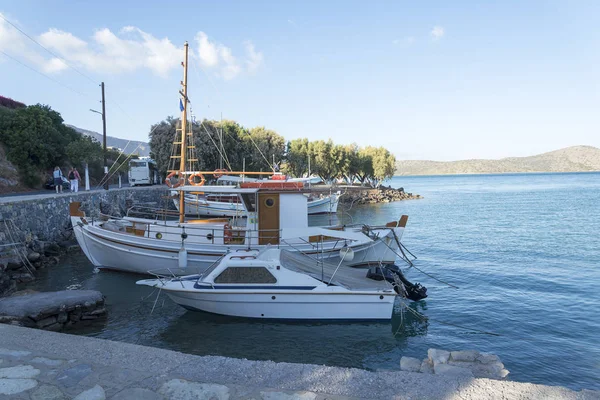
(47, 217)
(41, 226)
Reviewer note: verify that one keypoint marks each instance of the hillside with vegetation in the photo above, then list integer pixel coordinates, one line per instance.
(34, 139)
(255, 149)
(570, 159)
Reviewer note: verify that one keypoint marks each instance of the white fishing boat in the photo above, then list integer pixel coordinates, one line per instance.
(278, 284)
(201, 204)
(275, 217)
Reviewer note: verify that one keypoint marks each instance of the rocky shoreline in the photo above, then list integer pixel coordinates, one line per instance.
(19, 262)
(383, 194)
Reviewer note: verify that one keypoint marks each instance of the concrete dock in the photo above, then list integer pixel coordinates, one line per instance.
(36, 364)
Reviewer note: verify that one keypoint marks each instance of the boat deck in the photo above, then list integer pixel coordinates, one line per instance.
(348, 277)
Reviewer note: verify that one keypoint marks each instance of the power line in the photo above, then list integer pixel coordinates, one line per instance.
(54, 54)
(44, 75)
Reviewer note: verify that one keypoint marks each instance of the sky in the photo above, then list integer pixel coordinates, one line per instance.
(434, 80)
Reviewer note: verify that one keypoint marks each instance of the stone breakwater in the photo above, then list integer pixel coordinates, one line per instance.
(466, 363)
(372, 196)
(36, 230)
(53, 310)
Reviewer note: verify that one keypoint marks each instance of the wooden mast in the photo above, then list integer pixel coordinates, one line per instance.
(182, 164)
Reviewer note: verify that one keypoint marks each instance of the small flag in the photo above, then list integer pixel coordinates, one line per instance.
(180, 105)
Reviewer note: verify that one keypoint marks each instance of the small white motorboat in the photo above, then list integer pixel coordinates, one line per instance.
(279, 284)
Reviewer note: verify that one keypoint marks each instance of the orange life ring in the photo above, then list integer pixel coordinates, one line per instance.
(191, 179)
(219, 172)
(227, 233)
(170, 184)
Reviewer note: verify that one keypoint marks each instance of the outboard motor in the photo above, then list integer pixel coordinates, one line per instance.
(391, 272)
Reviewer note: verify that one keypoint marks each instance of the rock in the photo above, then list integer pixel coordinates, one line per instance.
(465, 355)
(62, 317)
(182, 389)
(99, 312)
(95, 393)
(493, 371)
(46, 322)
(22, 278)
(137, 394)
(19, 372)
(287, 396)
(451, 370)
(426, 367)
(14, 265)
(410, 364)
(33, 256)
(47, 392)
(51, 249)
(14, 386)
(437, 356)
(487, 358)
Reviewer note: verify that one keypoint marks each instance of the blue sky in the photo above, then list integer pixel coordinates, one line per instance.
(428, 80)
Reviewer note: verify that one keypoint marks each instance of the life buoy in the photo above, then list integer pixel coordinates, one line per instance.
(199, 175)
(227, 233)
(170, 184)
(219, 172)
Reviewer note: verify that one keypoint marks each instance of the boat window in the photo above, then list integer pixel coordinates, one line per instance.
(245, 275)
(249, 201)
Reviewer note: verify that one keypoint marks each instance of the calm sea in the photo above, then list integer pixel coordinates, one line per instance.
(523, 250)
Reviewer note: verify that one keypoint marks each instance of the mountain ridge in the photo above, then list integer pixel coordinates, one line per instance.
(569, 159)
(133, 146)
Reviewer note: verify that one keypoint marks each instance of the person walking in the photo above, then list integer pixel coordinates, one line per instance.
(74, 178)
(58, 176)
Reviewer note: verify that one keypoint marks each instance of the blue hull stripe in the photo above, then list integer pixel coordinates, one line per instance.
(265, 287)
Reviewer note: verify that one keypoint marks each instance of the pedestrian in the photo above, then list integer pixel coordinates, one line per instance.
(74, 178)
(58, 179)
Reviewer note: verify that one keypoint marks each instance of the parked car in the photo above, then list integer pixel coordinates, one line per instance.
(50, 184)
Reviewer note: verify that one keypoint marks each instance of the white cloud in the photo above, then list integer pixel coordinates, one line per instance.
(220, 58)
(437, 32)
(129, 50)
(255, 58)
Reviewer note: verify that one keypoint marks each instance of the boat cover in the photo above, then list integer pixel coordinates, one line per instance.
(348, 277)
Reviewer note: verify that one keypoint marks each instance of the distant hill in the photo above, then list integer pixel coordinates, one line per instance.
(142, 150)
(569, 159)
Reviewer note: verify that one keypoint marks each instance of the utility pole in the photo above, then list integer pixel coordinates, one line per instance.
(104, 138)
(103, 113)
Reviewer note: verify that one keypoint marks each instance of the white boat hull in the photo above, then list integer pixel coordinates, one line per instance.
(290, 305)
(131, 253)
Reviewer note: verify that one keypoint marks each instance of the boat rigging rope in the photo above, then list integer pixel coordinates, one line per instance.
(223, 156)
(420, 270)
(23, 258)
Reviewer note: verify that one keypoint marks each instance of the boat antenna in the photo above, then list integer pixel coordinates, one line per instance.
(183, 107)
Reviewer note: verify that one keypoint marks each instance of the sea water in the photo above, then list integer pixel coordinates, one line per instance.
(511, 263)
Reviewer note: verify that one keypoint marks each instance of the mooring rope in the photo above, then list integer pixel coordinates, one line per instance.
(426, 318)
(420, 270)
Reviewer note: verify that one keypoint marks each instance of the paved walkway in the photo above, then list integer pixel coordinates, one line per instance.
(16, 197)
(37, 364)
